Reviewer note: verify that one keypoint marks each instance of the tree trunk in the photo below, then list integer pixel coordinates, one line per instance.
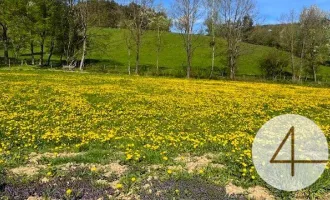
(213, 40)
(292, 61)
(42, 49)
(314, 73)
(189, 61)
(61, 59)
(50, 52)
(231, 57)
(158, 50)
(41, 55)
(32, 52)
(129, 61)
(302, 56)
(157, 62)
(189, 68)
(137, 60)
(232, 69)
(292, 67)
(189, 54)
(5, 43)
(213, 60)
(82, 62)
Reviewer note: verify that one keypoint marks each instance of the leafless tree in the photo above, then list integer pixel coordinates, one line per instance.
(139, 17)
(128, 41)
(213, 8)
(232, 13)
(160, 24)
(289, 38)
(186, 14)
(83, 17)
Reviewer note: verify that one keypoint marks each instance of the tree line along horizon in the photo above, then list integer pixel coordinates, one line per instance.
(63, 27)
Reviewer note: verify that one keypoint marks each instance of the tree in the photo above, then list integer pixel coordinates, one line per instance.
(274, 64)
(31, 16)
(5, 16)
(232, 14)
(159, 23)
(129, 45)
(289, 37)
(70, 37)
(83, 19)
(43, 25)
(247, 26)
(313, 22)
(186, 13)
(213, 7)
(139, 12)
(57, 19)
(16, 28)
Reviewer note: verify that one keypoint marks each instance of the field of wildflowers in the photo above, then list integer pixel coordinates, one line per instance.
(130, 135)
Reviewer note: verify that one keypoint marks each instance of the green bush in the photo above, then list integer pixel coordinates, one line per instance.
(274, 64)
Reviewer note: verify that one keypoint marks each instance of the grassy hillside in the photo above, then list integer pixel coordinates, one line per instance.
(108, 53)
(109, 46)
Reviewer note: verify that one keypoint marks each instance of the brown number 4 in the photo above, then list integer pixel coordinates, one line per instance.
(292, 161)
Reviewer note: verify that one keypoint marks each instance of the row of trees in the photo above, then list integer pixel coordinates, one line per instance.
(139, 17)
(60, 27)
(226, 18)
(61, 23)
(304, 35)
(307, 38)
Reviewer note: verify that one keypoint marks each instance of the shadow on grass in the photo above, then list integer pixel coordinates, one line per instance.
(82, 187)
(192, 188)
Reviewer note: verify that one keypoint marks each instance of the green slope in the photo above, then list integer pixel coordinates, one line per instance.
(107, 51)
(109, 46)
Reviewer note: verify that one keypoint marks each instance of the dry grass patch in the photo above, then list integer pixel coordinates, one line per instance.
(256, 193)
(259, 193)
(34, 198)
(33, 167)
(234, 190)
(108, 169)
(193, 163)
(29, 170)
(34, 157)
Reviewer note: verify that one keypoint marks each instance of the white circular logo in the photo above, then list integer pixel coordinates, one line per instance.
(290, 152)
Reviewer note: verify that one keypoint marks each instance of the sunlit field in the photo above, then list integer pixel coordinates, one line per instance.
(126, 137)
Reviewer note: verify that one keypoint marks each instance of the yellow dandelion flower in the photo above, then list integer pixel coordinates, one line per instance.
(68, 192)
(93, 169)
(119, 186)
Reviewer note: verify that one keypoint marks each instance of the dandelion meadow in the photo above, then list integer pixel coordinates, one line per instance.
(124, 137)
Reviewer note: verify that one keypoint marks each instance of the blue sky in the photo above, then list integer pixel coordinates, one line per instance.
(271, 10)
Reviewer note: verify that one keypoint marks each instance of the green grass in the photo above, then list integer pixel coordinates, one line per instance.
(109, 47)
(107, 52)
